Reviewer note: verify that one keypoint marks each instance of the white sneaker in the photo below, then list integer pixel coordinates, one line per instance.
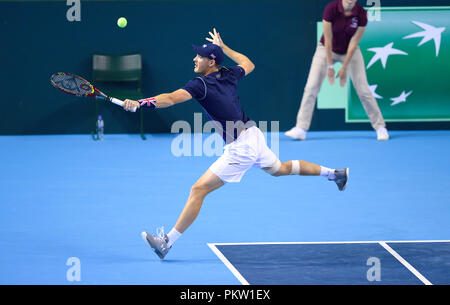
(296, 133)
(382, 134)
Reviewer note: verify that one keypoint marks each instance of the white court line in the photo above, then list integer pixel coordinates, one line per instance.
(329, 242)
(382, 243)
(406, 264)
(228, 264)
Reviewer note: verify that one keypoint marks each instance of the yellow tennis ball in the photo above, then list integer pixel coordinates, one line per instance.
(122, 22)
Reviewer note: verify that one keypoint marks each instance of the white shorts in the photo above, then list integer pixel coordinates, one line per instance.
(248, 150)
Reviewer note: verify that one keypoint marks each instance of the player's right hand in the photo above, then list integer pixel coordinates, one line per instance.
(130, 105)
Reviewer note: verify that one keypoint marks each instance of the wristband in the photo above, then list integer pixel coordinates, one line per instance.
(148, 102)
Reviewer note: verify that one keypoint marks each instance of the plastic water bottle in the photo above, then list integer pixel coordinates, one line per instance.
(100, 128)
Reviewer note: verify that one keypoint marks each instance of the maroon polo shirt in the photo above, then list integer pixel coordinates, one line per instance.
(343, 27)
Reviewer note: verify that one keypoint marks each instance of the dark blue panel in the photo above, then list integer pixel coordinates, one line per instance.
(432, 260)
(292, 264)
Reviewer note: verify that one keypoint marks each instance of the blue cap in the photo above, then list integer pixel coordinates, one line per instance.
(211, 51)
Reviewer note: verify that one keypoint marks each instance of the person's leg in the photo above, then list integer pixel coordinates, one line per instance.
(302, 168)
(357, 72)
(269, 162)
(205, 185)
(163, 242)
(228, 168)
(305, 168)
(316, 77)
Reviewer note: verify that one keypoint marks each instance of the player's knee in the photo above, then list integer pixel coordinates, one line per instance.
(275, 169)
(199, 189)
(284, 170)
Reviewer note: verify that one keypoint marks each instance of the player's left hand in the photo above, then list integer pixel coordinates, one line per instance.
(215, 38)
(342, 75)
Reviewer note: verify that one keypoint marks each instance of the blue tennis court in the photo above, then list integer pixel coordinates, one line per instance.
(67, 199)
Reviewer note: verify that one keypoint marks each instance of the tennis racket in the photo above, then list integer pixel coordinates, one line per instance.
(76, 85)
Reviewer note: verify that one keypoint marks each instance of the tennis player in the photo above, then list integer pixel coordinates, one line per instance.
(344, 23)
(216, 90)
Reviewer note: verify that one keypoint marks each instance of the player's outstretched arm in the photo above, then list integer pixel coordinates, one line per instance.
(237, 57)
(160, 101)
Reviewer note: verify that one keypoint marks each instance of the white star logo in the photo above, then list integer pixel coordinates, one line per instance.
(401, 98)
(372, 89)
(383, 54)
(430, 33)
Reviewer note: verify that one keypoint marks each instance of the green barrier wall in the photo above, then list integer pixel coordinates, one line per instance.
(279, 36)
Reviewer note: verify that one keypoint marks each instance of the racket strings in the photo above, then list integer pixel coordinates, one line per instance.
(71, 84)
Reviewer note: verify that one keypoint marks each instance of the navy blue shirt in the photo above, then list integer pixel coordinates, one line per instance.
(218, 95)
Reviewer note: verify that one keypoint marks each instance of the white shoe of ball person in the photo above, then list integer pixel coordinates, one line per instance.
(296, 133)
(382, 134)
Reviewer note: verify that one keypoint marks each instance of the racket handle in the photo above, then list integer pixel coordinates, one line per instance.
(120, 103)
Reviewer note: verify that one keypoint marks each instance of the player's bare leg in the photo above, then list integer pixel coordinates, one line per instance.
(205, 185)
(305, 168)
(162, 243)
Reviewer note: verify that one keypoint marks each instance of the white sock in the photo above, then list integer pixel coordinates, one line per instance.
(173, 236)
(327, 172)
